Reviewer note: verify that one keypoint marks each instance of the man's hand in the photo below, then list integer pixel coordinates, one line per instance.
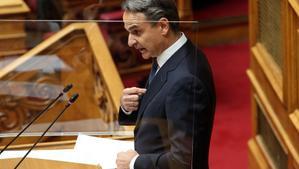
(130, 98)
(124, 158)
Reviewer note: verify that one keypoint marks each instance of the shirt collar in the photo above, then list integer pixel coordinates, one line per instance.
(166, 54)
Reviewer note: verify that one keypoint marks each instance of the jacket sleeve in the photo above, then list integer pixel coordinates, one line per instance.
(187, 98)
(125, 119)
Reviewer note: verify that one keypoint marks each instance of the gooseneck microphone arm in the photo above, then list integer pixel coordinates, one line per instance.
(71, 101)
(65, 90)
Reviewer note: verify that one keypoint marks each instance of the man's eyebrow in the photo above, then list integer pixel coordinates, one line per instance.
(133, 26)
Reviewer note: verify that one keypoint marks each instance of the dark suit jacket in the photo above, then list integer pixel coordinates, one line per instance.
(175, 117)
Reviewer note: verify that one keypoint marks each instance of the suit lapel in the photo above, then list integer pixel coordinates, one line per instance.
(152, 89)
(160, 79)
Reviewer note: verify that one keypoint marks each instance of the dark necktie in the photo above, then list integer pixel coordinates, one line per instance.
(153, 71)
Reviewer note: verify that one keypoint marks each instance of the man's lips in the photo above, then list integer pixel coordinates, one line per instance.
(141, 50)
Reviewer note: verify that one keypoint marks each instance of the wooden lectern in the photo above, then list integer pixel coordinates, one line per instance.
(30, 163)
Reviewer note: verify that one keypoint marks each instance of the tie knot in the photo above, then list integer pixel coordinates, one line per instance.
(155, 65)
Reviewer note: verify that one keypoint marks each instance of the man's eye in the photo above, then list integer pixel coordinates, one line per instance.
(135, 32)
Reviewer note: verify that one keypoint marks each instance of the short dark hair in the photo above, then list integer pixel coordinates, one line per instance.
(155, 10)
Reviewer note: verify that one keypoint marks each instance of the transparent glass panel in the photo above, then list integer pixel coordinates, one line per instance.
(92, 55)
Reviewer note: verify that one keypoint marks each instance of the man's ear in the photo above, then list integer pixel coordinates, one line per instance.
(164, 26)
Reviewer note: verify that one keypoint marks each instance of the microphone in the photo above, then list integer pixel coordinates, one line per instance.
(70, 102)
(65, 90)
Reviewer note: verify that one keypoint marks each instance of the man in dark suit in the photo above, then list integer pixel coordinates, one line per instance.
(174, 113)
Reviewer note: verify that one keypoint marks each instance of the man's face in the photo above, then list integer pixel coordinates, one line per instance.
(143, 36)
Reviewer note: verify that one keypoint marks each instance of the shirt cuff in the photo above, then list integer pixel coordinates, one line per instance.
(126, 112)
(133, 162)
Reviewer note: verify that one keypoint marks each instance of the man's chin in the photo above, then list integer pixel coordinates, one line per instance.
(146, 56)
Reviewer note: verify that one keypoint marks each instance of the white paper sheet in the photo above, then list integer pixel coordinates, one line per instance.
(102, 149)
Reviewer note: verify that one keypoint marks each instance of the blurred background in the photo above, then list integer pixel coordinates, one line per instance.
(252, 46)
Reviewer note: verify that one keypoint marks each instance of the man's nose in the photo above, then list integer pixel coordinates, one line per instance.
(131, 40)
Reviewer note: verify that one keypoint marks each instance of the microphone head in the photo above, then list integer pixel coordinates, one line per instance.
(73, 98)
(67, 88)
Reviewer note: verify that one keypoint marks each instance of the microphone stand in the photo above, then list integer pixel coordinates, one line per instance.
(71, 101)
(65, 90)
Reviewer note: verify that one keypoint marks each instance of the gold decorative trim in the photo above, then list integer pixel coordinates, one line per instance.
(295, 119)
(274, 119)
(270, 68)
(295, 5)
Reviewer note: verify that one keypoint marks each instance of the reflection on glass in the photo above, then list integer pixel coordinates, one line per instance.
(37, 79)
(77, 54)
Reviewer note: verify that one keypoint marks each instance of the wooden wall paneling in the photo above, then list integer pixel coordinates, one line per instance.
(276, 87)
(13, 7)
(294, 164)
(290, 60)
(12, 42)
(11, 27)
(12, 33)
(257, 159)
(295, 119)
(294, 134)
(260, 143)
(293, 56)
(185, 9)
(253, 15)
(295, 6)
(270, 68)
(265, 103)
(275, 111)
(253, 106)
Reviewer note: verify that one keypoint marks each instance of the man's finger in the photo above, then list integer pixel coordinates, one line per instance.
(130, 109)
(134, 90)
(130, 98)
(131, 104)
